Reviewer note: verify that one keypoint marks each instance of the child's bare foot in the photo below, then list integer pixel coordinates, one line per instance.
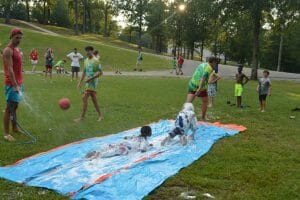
(183, 140)
(78, 120)
(100, 119)
(16, 130)
(205, 119)
(191, 137)
(9, 138)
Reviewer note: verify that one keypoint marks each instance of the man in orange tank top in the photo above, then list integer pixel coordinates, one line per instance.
(13, 81)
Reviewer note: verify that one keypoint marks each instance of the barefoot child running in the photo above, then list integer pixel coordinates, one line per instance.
(92, 70)
(264, 89)
(129, 144)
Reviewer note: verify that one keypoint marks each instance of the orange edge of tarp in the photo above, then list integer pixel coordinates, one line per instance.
(218, 124)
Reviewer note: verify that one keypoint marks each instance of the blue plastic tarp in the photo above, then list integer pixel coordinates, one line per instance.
(133, 176)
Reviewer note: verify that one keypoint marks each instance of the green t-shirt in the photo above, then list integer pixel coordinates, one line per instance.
(91, 66)
(203, 70)
(174, 63)
(60, 63)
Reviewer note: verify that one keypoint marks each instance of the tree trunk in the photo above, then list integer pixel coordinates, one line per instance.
(202, 49)
(76, 17)
(7, 13)
(256, 32)
(48, 14)
(84, 17)
(160, 44)
(44, 12)
(157, 43)
(89, 17)
(27, 11)
(130, 34)
(280, 51)
(140, 27)
(192, 50)
(105, 20)
(225, 59)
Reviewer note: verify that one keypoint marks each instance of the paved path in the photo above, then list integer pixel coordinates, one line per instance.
(226, 71)
(38, 28)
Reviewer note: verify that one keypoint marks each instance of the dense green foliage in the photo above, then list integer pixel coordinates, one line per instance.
(247, 32)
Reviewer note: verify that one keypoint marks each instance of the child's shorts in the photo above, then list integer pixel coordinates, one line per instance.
(262, 97)
(174, 132)
(238, 90)
(212, 90)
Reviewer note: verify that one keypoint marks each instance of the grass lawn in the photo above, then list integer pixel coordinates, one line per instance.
(112, 58)
(261, 163)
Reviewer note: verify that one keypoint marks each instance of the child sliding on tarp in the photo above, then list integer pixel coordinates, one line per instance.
(129, 144)
(186, 120)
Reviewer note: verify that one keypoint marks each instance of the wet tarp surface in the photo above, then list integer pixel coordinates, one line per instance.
(65, 170)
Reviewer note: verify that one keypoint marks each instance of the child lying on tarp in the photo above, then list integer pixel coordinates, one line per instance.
(186, 120)
(129, 144)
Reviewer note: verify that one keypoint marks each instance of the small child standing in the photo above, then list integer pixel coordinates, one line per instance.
(60, 67)
(212, 87)
(180, 62)
(174, 65)
(264, 89)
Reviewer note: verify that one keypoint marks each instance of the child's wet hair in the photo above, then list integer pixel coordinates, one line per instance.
(146, 131)
(267, 72)
(240, 67)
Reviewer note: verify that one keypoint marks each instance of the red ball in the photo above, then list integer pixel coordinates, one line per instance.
(64, 103)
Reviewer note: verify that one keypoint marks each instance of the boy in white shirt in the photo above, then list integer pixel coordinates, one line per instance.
(75, 57)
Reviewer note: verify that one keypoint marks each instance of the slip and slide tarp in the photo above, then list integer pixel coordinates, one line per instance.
(66, 171)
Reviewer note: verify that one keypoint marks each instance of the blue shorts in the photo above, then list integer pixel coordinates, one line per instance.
(13, 96)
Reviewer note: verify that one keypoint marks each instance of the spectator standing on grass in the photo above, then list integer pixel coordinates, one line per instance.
(174, 65)
(212, 87)
(13, 82)
(97, 55)
(75, 57)
(139, 60)
(180, 62)
(264, 89)
(49, 59)
(241, 80)
(34, 57)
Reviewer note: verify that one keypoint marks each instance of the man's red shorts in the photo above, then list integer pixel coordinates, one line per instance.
(202, 93)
